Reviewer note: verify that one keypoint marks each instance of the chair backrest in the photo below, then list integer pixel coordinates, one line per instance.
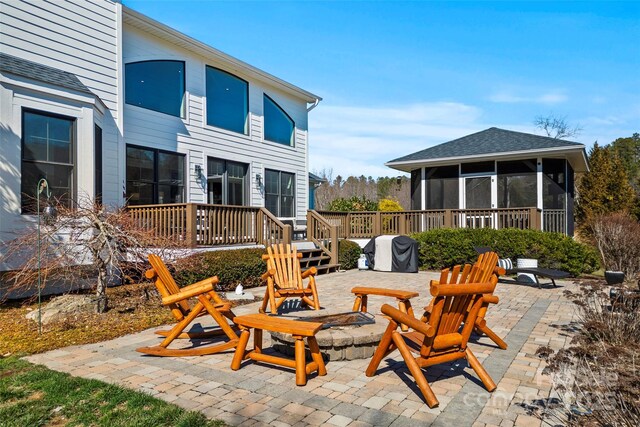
(285, 260)
(452, 305)
(166, 285)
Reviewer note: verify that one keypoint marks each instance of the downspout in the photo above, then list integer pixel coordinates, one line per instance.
(315, 104)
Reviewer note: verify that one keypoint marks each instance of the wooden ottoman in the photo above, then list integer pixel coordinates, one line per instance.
(403, 298)
(298, 329)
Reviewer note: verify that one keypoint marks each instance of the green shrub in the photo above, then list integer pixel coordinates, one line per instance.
(233, 267)
(447, 247)
(348, 254)
(353, 204)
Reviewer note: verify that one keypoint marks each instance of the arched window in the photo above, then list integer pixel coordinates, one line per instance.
(227, 101)
(278, 126)
(156, 85)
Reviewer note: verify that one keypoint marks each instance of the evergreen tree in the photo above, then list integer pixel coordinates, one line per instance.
(604, 189)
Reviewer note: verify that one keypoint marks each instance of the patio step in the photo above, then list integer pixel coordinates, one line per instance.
(325, 268)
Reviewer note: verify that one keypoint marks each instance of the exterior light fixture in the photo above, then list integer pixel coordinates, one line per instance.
(198, 169)
(259, 180)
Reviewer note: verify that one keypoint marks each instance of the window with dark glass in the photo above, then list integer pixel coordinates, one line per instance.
(154, 176)
(156, 85)
(47, 152)
(478, 167)
(280, 193)
(226, 182)
(278, 126)
(517, 184)
(442, 190)
(554, 183)
(227, 101)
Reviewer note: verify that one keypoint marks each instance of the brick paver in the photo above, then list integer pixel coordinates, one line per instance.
(258, 394)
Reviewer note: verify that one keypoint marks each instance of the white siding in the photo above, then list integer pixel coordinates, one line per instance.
(80, 37)
(193, 137)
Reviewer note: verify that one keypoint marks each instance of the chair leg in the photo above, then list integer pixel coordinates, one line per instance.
(385, 347)
(272, 299)
(222, 321)
(356, 303)
(316, 355)
(240, 350)
(179, 327)
(301, 373)
(480, 371)
(482, 328)
(415, 370)
(314, 292)
(265, 301)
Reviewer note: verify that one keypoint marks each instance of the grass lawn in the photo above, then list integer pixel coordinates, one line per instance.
(32, 395)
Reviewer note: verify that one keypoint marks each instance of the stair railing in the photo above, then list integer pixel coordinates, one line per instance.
(323, 233)
(270, 230)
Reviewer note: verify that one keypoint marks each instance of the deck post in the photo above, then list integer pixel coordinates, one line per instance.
(260, 227)
(192, 224)
(334, 244)
(448, 218)
(402, 227)
(534, 219)
(377, 224)
(286, 234)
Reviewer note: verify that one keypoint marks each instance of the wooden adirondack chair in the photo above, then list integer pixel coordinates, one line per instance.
(178, 301)
(440, 340)
(285, 279)
(487, 267)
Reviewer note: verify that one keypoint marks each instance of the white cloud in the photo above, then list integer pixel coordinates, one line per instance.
(509, 97)
(359, 140)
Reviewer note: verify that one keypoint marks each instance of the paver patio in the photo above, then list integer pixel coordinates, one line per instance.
(259, 394)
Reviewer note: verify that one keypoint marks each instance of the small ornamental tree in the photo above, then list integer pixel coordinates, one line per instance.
(604, 189)
(353, 204)
(389, 205)
(86, 240)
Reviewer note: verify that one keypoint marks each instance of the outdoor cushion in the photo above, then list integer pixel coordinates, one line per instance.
(505, 263)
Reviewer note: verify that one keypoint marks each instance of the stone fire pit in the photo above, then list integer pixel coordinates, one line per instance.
(338, 342)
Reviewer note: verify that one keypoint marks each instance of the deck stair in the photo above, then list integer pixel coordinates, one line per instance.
(315, 257)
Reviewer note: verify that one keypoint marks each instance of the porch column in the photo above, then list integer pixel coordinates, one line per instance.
(539, 198)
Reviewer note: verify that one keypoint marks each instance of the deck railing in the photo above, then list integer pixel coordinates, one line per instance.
(368, 224)
(323, 233)
(555, 220)
(200, 224)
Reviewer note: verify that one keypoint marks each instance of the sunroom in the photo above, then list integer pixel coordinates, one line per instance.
(497, 178)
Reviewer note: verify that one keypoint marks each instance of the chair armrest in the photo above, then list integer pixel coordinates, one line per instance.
(499, 271)
(199, 288)
(268, 273)
(310, 272)
(490, 299)
(405, 319)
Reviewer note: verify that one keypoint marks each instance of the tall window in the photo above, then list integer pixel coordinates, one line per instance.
(156, 85)
(442, 187)
(226, 182)
(154, 176)
(227, 101)
(280, 193)
(517, 184)
(278, 126)
(47, 152)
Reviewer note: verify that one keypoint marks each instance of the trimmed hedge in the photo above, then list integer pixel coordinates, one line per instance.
(447, 247)
(233, 267)
(348, 254)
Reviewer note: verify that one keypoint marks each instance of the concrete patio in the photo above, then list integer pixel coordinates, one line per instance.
(259, 394)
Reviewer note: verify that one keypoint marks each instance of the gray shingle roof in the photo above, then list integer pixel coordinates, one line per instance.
(488, 141)
(315, 178)
(42, 73)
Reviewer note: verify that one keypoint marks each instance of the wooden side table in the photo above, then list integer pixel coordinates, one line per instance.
(298, 329)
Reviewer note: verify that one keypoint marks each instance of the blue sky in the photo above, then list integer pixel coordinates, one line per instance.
(397, 77)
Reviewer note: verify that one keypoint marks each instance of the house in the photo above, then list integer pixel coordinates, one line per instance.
(106, 102)
(493, 177)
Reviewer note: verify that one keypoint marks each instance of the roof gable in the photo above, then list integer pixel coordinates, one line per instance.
(487, 142)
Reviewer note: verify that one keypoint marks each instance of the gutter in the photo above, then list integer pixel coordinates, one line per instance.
(314, 105)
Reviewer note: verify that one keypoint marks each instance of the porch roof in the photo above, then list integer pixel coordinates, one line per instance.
(494, 143)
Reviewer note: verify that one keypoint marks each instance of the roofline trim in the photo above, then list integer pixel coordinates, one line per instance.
(205, 50)
(580, 147)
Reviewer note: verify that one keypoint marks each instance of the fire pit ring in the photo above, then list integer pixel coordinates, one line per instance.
(346, 342)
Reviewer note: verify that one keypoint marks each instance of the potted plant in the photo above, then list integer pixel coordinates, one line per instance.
(617, 237)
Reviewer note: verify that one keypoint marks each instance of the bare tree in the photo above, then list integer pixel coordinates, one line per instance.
(557, 127)
(85, 240)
